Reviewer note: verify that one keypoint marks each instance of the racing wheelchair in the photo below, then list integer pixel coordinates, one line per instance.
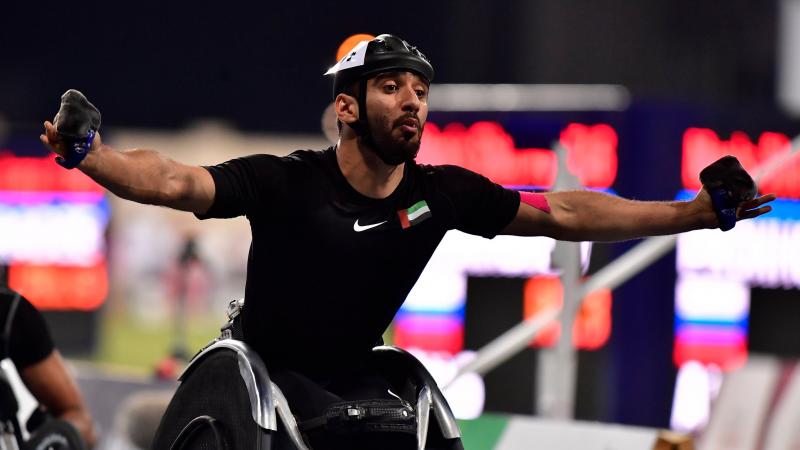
(226, 400)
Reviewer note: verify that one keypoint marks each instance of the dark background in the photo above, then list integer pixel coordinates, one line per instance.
(259, 66)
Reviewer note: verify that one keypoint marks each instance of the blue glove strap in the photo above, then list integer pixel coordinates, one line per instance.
(77, 149)
(724, 207)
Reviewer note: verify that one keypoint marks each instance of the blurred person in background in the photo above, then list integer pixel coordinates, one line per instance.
(340, 236)
(26, 340)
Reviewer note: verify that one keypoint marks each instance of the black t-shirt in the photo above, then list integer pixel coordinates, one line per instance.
(24, 336)
(329, 267)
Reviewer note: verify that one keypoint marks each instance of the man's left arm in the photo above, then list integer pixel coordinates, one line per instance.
(596, 216)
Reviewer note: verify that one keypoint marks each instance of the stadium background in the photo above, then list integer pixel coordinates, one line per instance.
(248, 77)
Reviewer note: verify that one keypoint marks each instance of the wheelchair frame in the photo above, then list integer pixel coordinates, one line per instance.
(268, 404)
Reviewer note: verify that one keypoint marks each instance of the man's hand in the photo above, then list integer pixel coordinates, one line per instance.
(753, 208)
(747, 209)
(52, 140)
(731, 193)
(76, 125)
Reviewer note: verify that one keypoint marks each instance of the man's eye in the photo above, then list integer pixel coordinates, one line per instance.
(390, 87)
(421, 93)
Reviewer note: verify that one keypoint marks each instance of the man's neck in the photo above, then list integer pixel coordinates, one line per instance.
(365, 171)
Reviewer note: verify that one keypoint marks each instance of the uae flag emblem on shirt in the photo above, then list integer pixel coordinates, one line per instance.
(415, 214)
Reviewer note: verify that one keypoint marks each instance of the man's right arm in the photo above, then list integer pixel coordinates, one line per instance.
(143, 176)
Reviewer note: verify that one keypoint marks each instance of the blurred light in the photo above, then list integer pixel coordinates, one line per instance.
(466, 394)
(712, 299)
(702, 146)
(53, 233)
(431, 318)
(54, 223)
(442, 286)
(529, 97)
(691, 402)
(543, 293)
(61, 287)
(761, 252)
(787, 61)
(439, 295)
(351, 42)
(591, 153)
(592, 326)
(23, 174)
(716, 269)
(430, 332)
(746, 403)
(485, 147)
(728, 356)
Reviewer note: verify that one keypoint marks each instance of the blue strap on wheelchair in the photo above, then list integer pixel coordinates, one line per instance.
(724, 207)
(77, 149)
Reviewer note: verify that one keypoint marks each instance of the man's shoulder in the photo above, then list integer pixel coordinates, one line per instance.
(309, 156)
(445, 172)
(259, 163)
(296, 156)
(303, 160)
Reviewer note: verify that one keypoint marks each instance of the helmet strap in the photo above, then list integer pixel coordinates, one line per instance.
(361, 126)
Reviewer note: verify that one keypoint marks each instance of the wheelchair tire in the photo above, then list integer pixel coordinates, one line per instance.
(55, 434)
(201, 433)
(214, 389)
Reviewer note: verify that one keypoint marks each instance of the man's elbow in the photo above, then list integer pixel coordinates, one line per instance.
(567, 225)
(174, 192)
(186, 193)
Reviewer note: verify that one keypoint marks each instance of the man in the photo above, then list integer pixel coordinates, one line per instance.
(340, 236)
(25, 339)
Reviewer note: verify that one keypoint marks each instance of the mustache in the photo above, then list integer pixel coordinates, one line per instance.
(405, 117)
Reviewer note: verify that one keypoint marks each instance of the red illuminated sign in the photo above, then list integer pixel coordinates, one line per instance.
(486, 148)
(702, 146)
(41, 174)
(592, 325)
(60, 287)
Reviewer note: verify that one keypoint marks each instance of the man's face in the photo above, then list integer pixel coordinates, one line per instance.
(397, 107)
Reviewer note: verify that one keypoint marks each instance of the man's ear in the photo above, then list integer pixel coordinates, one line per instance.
(346, 107)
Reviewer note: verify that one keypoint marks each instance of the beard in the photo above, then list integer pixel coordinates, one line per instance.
(393, 145)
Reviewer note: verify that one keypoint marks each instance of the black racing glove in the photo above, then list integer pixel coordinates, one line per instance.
(77, 122)
(729, 185)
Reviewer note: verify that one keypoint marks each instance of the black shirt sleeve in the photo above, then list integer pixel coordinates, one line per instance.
(29, 340)
(481, 207)
(246, 185)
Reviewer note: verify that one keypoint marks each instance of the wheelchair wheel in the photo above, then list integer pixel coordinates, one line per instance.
(201, 433)
(211, 410)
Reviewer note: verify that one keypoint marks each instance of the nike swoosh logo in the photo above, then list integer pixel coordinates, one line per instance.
(359, 228)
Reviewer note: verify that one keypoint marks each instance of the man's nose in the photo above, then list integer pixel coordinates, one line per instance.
(409, 99)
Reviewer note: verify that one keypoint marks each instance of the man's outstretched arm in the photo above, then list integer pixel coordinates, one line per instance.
(595, 216)
(144, 176)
